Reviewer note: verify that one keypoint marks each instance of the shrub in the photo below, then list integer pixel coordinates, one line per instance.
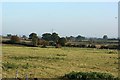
(82, 45)
(113, 46)
(91, 46)
(51, 43)
(89, 76)
(43, 43)
(68, 45)
(62, 41)
(104, 47)
(26, 66)
(9, 66)
(15, 39)
(58, 46)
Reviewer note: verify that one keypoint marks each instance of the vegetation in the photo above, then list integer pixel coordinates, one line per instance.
(53, 39)
(89, 76)
(15, 39)
(34, 38)
(46, 36)
(37, 57)
(80, 38)
(43, 43)
(49, 62)
(62, 41)
(105, 37)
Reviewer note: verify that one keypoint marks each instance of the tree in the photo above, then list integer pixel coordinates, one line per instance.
(9, 35)
(71, 38)
(46, 36)
(55, 37)
(35, 41)
(105, 37)
(15, 39)
(24, 37)
(79, 38)
(43, 42)
(32, 35)
(34, 38)
(62, 41)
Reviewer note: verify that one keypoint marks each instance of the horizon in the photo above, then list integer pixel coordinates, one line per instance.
(66, 19)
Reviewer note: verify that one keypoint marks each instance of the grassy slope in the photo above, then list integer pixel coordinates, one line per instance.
(53, 62)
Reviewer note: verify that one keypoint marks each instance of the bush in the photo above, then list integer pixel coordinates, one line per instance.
(51, 43)
(113, 46)
(104, 47)
(91, 46)
(68, 45)
(43, 43)
(62, 41)
(9, 66)
(26, 66)
(58, 46)
(15, 39)
(109, 47)
(82, 45)
(89, 76)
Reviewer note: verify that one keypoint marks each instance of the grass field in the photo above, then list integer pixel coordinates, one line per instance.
(56, 62)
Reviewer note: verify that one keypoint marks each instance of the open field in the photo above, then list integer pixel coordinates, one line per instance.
(56, 62)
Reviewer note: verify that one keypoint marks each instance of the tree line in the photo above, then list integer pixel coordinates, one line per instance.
(53, 39)
(47, 39)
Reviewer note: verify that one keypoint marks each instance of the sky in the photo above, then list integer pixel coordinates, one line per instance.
(59, 0)
(90, 19)
(0, 18)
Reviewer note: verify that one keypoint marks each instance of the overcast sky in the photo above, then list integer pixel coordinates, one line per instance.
(90, 19)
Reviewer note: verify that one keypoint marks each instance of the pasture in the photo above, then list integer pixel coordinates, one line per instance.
(55, 62)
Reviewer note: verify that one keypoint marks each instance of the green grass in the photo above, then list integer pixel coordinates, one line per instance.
(56, 62)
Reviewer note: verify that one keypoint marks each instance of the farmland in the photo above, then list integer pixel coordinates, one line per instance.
(55, 62)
